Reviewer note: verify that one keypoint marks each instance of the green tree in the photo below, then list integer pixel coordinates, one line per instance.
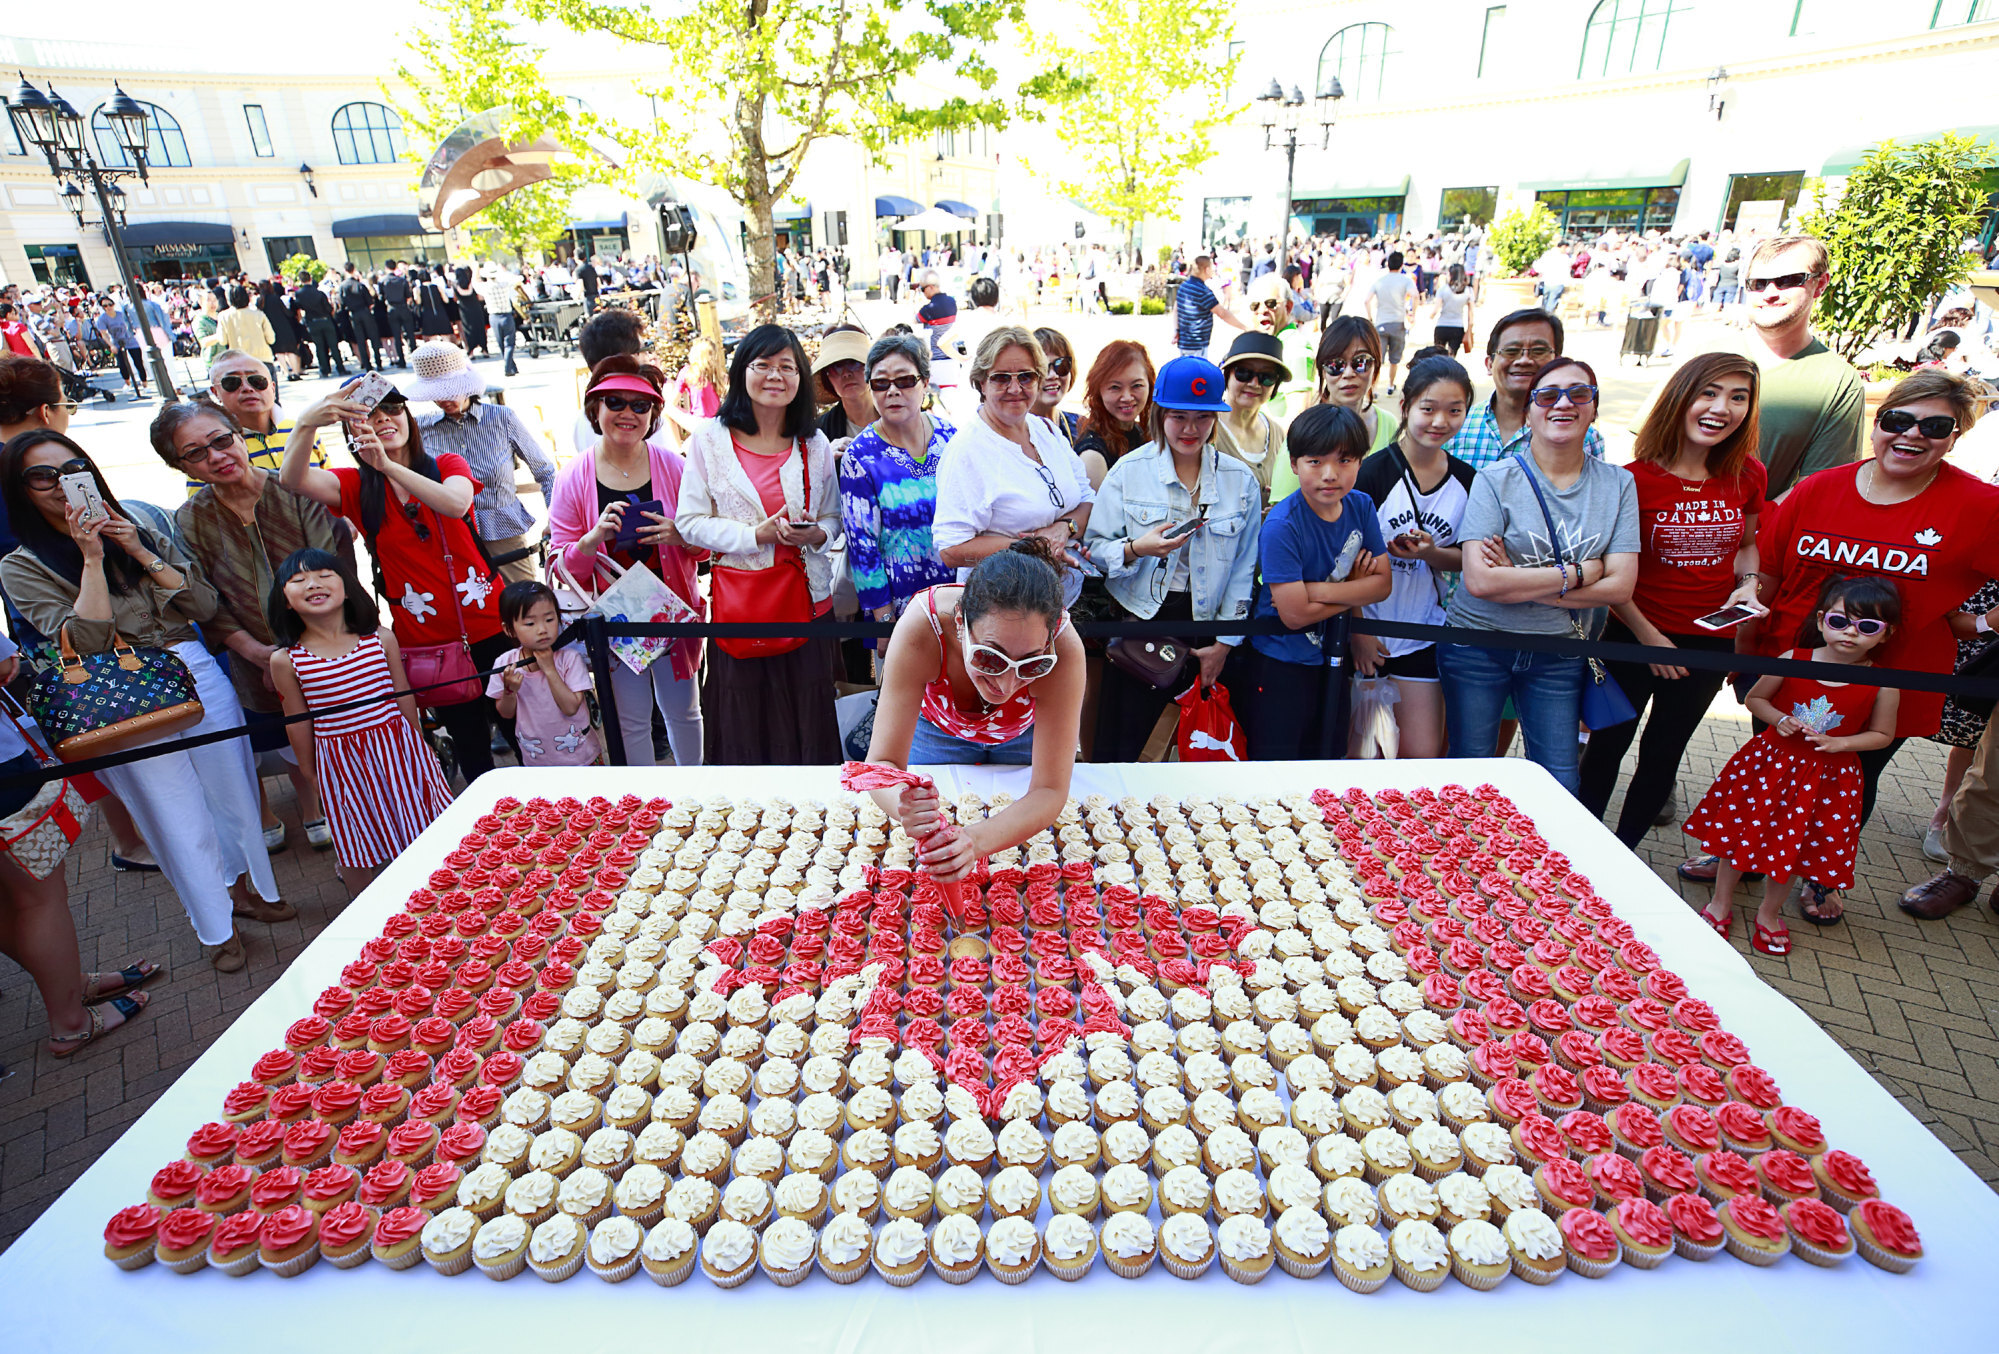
(1152, 92)
(1519, 238)
(746, 87)
(465, 59)
(301, 265)
(1896, 239)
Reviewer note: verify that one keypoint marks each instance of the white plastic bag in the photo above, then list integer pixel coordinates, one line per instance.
(1372, 731)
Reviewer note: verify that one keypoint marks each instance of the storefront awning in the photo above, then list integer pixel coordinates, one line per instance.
(1616, 176)
(179, 232)
(1846, 161)
(389, 223)
(891, 204)
(1397, 189)
(957, 208)
(791, 211)
(608, 223)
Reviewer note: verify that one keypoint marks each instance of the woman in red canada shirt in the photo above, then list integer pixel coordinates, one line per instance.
(1901, 514)
(411, 510)
(1700, 489)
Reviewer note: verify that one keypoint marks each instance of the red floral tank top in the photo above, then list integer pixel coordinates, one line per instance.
(989, 728)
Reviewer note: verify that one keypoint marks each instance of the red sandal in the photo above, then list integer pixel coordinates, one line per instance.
(1722, 926)
(1766, 941)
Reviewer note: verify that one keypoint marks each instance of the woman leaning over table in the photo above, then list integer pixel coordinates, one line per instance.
(600, 492)
(1516, 583)
(412, 510)
(888, 482)
(761, 485)
(106, 581)
(1203, 573)
(1700, 489)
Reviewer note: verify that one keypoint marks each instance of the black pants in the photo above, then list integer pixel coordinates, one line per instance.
(367, 343)
(1295, 712)
(402, 334)
(1450, 337)
(132, 366)
(1678, 706)
(1128, 709)
(327, 345)
(471, 724)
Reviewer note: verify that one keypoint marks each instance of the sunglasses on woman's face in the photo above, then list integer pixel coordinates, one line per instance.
(882, 383)
(1266, 379)
(1061, 366)
(234, 382)
(1936, 427)
(1863, 625)
(987, 661)
(42, 477)
(1360, 366)
(1549, 396)
(205, 451)
(638, 404)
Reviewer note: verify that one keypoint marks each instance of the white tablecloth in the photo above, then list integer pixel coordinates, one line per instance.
(57, 1293)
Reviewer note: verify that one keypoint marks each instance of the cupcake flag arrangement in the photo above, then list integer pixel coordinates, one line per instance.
(1390, 1037)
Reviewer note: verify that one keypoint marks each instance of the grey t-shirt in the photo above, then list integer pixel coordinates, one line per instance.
(1595, 516)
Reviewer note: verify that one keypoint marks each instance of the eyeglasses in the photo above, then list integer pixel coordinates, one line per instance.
(1048, 482)
(1781, 281)
(1865, 625)
(41, 477)
(783, 370)
(883, 383)
(1936, 427)
(987, 661)
(415, 515)
(234, 382)
(1549, 396)
(1061, 366)
(208, 450)
(1360, 366)
(1026, 380)
(1270, 303)
(1513, 352)
(638, 404)
(1266, 379)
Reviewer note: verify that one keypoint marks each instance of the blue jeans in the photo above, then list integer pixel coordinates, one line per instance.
(931, 746)
(1547, 692)
(506, 331)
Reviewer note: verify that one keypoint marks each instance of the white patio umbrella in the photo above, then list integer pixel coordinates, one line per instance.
(936, 221)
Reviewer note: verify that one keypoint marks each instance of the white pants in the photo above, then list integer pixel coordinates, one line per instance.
(197, 810)
(679, 701)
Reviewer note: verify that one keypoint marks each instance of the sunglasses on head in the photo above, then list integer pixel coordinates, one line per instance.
(1360, 366)
(638, 404)
(1864, 625)
(987, 661)
(1549, 396)
(1935, 426)
(879, 384)
(1266, 379)
(235, 381)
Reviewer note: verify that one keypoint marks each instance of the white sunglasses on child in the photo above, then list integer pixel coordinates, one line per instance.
(1865, 625)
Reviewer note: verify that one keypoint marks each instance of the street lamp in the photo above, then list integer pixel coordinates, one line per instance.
(1717, 97)
(1277, 108)
(305, 172)
(52, 126)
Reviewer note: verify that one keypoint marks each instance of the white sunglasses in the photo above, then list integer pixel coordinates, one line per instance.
(987, 661)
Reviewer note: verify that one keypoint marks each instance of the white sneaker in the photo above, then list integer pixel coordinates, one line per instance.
(274, 837)
(318, 835)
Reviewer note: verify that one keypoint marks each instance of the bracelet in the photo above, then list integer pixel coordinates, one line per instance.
(1562, 571)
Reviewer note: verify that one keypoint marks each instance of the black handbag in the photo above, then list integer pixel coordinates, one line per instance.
(1984, 663)
(1158, 663)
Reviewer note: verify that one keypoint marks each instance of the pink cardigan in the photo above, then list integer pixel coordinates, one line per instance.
(573, 512)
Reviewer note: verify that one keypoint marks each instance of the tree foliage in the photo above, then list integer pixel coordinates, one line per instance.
(301, 265)
(464, 59)
(1148, 96)
(746, 87)
(1519, 238)
(1896, 239)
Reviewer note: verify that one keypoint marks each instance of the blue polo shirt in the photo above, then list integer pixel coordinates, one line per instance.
(1194, 312)
(1299, 546)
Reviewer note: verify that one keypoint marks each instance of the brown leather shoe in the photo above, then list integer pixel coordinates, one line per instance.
(230, 956)
(254, 908)
(1938, 897)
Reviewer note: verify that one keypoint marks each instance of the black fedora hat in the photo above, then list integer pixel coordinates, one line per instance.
(1263, 347)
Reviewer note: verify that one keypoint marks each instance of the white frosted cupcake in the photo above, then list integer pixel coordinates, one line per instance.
(956, 1248)
(1013, 1249)
(1014, 1193)
(1244, 1246)
(1534, 1244)
(1479, 1254)
(1069, 1246)
(901, 1251)
(1360, 1258)
(667, 1255)
(555, 1251)
(613, 1252)
(1185, 1246)
(1130, 1245)
(785, 1251)
(844, 1246)
(1304, 1242)
(1419, 1256)
(909, 1193)
(1348, 1202)
(858, 1192)
(501, 1247)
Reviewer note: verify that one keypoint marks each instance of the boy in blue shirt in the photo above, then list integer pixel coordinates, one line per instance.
(1322, 557)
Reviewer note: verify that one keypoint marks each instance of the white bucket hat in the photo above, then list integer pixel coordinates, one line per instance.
(443, 372)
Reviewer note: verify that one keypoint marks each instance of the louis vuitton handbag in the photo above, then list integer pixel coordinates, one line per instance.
(93, 704)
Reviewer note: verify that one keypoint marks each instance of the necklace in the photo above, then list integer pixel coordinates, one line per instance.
(1871, 490)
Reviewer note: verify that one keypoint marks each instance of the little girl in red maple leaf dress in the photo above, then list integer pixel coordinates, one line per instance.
(1788, 802)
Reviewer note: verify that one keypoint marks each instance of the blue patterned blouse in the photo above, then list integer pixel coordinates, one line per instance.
(888, 502)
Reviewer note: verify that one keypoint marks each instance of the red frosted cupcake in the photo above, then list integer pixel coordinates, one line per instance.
(1885, 1236)
(1697, 1231)
(1786, 1177)
(1725, 1175)
(1819, 1234)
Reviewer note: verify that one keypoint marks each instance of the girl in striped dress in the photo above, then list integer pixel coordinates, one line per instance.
(377, 778)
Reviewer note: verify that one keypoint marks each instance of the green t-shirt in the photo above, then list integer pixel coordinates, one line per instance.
(1809, 414)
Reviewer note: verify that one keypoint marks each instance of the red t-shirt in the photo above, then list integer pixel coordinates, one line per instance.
(413, 572)
(1689, 535)
(16, 335)
(1938, 549)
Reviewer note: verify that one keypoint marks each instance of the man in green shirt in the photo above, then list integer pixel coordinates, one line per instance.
(1812, 402)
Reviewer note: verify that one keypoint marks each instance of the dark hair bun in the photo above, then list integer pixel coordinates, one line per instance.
(1038, 547)
(1024, 577)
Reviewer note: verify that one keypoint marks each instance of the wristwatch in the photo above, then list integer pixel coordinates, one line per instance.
(158, 566)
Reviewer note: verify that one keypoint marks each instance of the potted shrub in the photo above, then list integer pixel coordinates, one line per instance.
(1517, 240)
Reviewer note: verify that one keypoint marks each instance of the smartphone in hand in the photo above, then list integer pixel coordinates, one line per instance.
(79, 490)
(1192, 524)
(1728, 617)
(372, 389)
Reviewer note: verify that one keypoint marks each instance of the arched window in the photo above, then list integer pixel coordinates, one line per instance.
(1359, 55)
(367, 134)
(1626, 37)
(166, 148)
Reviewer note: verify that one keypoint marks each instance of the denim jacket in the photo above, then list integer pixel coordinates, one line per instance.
(1143, 491)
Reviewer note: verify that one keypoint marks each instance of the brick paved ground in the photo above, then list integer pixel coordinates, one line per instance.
(1917, 1005)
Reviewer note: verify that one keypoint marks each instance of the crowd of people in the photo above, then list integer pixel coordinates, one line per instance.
(1313, 475)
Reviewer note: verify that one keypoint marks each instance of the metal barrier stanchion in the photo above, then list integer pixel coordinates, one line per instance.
(599, 646)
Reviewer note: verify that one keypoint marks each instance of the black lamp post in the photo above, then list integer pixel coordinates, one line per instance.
(1287, 110)
(49, 124)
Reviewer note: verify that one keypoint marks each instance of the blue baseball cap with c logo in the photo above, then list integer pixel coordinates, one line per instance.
(1191, 383)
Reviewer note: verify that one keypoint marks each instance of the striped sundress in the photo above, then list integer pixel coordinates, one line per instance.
(378, 781)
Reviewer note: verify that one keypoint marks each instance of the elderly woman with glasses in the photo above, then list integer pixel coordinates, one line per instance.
(1517, 582)
(239, 528)
(1255, 366)
(888, 482)
(1008, 474)
(412, 509)
(762, 493)
(99, 581)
